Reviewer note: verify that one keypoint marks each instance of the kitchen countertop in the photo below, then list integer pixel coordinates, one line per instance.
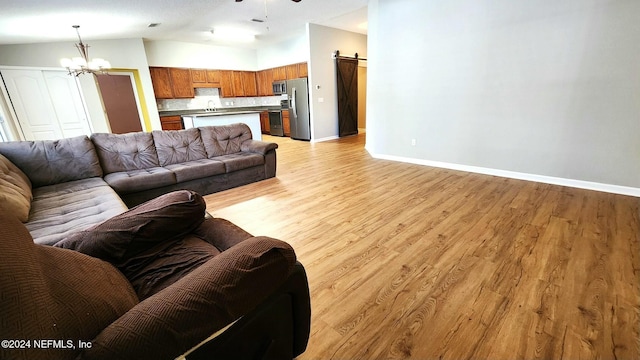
(219, 111)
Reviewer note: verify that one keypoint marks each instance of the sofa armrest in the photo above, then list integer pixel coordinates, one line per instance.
(179, 317)
(221, 233)
(257, 146)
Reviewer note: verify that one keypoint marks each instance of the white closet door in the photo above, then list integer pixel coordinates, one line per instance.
(67, 103)
(47, 104)
(30, 99)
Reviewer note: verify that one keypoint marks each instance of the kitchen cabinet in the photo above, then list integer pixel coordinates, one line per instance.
(265, 127)
(171, 83)
(213, 77)
(303, 70)
(264, 80)
(198, 76)
(238, 87)
(226, 84)
(249, 83)
(286, 124)
(292, 71)
(279, 73)
(181, 83)
(204, 78)
(161, 81)
(171, 122)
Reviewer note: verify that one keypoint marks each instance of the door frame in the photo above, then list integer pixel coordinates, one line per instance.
(138, 93)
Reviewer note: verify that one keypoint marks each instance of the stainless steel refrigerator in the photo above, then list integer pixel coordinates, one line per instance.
(298, 96)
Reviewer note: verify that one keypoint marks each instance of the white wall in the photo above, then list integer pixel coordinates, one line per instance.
(294, 50)
(191, 55)
(545, 88)
(122, 53)
(323, 41)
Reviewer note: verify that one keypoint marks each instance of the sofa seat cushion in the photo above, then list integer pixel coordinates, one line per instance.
(197, 169)
(125, 152)
(59, 210)
(179, 146)
(15, 189)
(48, 162)
(138, 180)
(239, 161)
(224, 139)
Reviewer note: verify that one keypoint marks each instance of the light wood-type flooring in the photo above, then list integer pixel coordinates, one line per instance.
(412, 262)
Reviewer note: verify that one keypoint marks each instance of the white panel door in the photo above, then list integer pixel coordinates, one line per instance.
(67, 103)
(47, 104)
(32, 104)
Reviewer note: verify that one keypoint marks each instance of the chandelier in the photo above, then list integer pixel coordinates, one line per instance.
(82, 65)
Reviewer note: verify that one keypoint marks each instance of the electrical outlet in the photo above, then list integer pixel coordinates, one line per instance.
(413, 142)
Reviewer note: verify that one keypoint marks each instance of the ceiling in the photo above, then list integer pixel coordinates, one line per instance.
(41, 21)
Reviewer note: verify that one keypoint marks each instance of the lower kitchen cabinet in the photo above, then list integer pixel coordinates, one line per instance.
(265, 127)
(286, 124)
(171, 122)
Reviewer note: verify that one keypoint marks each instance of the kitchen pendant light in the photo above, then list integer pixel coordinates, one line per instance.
(83, 65)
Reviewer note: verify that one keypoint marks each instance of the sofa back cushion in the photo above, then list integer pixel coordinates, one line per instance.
(48, 162)
(15, 189)
(125, 152)
(175, 147)
(224, 139)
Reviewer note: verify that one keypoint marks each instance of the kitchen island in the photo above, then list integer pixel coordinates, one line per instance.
(221, 117)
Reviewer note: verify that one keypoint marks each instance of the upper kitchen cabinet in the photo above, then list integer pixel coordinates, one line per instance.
(264, 80)
(214, 77)
(292, 71)
(226, 84)
(171, 83)
(249, 83)
(303, 70)
(204, 78)
(237, 79)
(161, 81)
(198, 76)
(181, 83)
(280, 73)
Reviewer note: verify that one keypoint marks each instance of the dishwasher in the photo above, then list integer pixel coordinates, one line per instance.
(275, 123)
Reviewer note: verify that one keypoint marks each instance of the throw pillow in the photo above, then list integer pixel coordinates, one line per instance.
(165, 218)
(15, 189)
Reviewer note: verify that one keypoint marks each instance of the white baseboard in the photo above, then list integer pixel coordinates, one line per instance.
(615, 189)
(328, 138)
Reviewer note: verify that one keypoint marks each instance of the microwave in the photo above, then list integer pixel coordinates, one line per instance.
(279, 87)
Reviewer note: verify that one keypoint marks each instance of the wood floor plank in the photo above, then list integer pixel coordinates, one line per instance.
(412, 262)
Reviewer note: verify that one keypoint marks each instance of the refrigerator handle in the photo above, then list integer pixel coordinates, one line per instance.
(293, 103)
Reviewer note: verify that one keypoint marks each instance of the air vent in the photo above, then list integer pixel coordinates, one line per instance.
(257, 20)
(152, 25)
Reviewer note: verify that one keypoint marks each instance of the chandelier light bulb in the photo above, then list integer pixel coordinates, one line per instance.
(82, 64)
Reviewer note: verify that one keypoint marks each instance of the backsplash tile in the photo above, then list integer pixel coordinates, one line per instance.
(210, 98)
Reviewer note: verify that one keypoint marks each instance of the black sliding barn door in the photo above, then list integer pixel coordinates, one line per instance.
(347, 73)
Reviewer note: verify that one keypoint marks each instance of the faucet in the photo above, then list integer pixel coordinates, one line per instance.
(210, 106)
